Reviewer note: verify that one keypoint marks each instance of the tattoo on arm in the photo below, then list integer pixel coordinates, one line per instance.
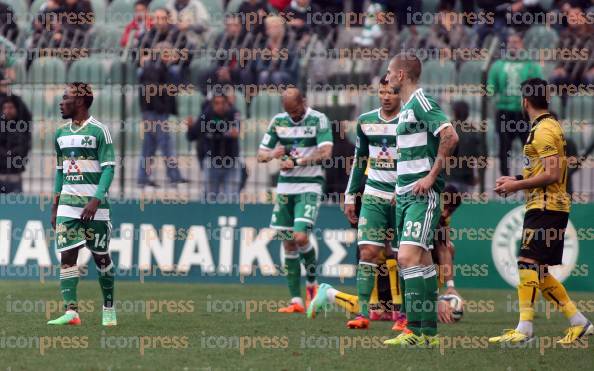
(448, 139)
(316, 158)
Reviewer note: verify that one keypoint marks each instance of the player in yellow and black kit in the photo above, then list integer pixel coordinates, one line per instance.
(544, 181)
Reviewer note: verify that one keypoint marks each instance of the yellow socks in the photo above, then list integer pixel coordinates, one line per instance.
(527, 290)
(555, 292)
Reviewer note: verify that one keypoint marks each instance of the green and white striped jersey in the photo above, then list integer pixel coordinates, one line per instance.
(81, 153)
(421, 119)
(300, 139)
(375, 151)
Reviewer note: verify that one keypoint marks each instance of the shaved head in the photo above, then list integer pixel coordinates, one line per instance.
(409, 63)
(292, 94)
(294, 103)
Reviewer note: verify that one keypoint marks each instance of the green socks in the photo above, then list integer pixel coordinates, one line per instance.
(429, 319)
(365, 282)
(308, 255)
(293, 268)
(106, 281)
(414, 293)
(68, 283)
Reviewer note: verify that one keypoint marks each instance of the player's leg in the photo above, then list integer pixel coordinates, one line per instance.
(554, 225)
(372, 236)
(68, 240)
(282, 221)
(100, 234)
(419, 216)
(306, 210)
(327, 295)
(528, 271)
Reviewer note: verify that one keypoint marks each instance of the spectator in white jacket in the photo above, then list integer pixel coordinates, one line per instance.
(191, 17)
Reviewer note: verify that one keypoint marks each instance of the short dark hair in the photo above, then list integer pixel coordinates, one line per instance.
(535, 90)
(84, 91)
(12, 100)
(461, 110)
(384, 80)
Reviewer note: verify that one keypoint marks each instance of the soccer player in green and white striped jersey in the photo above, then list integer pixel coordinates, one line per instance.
(85, 164)
(375, 152)
(302, 139)
(425, 138)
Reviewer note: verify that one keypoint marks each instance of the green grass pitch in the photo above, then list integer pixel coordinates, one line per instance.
(205, 327)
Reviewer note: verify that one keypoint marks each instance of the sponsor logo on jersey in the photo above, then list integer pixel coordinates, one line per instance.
(73, 173)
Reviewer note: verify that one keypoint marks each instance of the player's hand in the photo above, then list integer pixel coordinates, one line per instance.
(287, 164)
(503, 179)
(452, 291)
(422, 186)
(278, 152)
(507, 187)
(444, 312)
(88, 213)
(349, 211)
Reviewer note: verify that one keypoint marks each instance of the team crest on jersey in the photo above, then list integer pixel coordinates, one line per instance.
(86, 141)
(73, 173)
(61, 228)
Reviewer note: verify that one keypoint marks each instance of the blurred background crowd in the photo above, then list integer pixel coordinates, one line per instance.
(228, 60)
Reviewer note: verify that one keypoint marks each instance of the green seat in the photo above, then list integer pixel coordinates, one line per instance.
(90, 70)
(198, 67)
(38, 103)
(47, 70)
(437, 72)
(36, 6)
(189, 105)
(264, 106)
(20, 8)
(106, 37)
(107, 104)
(471, 73)
(430, 6)
(547, 69)
(158, 4)
(233, 6)
(117, 71)
(369, 102)
(540, 37)
(580, 108)
(120, 12)
(99, 8)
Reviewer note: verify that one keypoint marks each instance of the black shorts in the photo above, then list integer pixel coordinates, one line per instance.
(542, 236)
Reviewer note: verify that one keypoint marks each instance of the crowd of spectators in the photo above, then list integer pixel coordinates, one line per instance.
(262, 43)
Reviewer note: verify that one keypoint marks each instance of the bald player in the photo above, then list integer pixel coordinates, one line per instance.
(301, 139)
(425, 138)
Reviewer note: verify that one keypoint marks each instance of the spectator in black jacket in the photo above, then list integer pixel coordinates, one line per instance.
(216, 131)
(253, 13)
(15, 143)
(156, 104)
(227, 66)
(165, 30)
